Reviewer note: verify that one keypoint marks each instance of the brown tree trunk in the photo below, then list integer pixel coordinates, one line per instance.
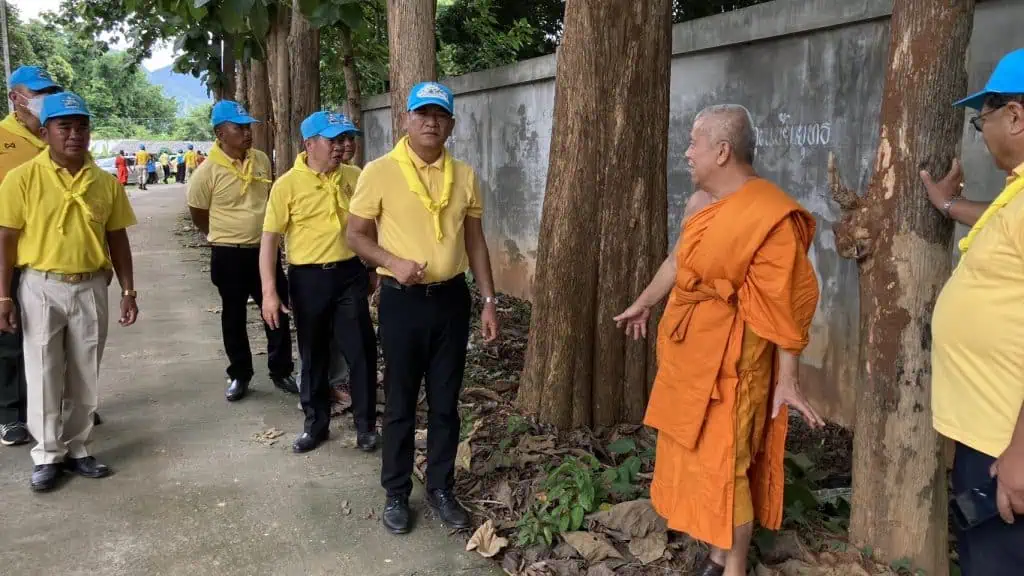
(353, 97)
(304, 50)
(278, 69)
(227, 67)
(411, 47)
(608, 168)
(259, 107)
(903, 245)
(242, 83)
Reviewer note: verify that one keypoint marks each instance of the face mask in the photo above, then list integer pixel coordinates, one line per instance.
(33, 104)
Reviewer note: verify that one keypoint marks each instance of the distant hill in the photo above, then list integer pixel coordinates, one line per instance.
(189, 91)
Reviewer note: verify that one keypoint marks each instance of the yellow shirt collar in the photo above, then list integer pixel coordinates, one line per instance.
(421, 163)
(1018, 172)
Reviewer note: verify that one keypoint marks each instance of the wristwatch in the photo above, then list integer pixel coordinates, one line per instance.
(131, 293)
(949, 204)
(491, 300)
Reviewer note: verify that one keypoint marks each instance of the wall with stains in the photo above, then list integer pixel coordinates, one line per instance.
(811, 73)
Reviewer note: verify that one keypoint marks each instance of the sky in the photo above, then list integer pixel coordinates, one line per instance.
(29, 9)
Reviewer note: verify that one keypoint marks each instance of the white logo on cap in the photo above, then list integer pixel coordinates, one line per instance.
(333, 118)
(433, 91)
(71, 102)
(240, 110)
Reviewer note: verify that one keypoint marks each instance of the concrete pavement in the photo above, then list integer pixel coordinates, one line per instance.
(193, 493)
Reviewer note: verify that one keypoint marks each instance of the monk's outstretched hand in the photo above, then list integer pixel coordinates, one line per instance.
(634, 319)
(788, 392)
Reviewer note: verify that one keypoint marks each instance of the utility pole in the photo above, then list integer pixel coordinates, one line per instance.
(7, 51)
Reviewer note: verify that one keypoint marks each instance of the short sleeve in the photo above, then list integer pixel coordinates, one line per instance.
(12, 202)
(121, 213)
(475, 201)
(200, 190)
(366, 200)
(277, 216)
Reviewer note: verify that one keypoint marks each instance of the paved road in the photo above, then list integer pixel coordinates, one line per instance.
(193, 493)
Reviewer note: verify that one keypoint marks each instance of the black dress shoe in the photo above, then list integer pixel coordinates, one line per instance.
(287, 384)
(367, 441)
(87, 467)
(710, 568)
(236, 390)
(44, 477)
(448, 509)
(306, 442)
(396, 515)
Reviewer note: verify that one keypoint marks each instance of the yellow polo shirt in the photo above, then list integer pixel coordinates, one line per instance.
(235, 218)
(34, 198)
(405, 228)
(190, 159)
(141, 158)
(977, 331)
(17, 145)
(312, 213)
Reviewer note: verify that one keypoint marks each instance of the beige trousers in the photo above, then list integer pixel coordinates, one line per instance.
(65, 329)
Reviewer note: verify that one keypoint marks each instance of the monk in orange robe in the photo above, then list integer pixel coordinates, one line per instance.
(741, 294)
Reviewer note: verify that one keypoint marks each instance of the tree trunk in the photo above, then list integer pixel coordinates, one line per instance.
(278, 69)
(227, 67)
(608, 168)
(242, 83)
(902, 245)
(353, 97)
(259, 107)
(304, 49)
(411, 47)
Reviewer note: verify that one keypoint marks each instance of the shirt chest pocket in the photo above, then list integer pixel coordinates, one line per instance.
(99, 211)
(312, 212)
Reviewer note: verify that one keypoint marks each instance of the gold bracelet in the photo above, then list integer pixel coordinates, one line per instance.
(6, 299)
(130, 293)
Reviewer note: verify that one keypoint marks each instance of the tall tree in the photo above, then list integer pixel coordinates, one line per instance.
(279, 73)
(259, 107)
(242, 81)
(353, 97)
(607, 175)
(304, 54)
(412, 48)
(902, 246)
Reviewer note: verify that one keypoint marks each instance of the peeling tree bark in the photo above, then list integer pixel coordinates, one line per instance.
(242, 83)
(412, 53)
(902, 245)
(304, 54)
(280, 93)
(353, 96)
(259, 107)
(605, 213)
(227, 67)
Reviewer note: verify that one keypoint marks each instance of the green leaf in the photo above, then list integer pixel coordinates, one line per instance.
(259, 21)
(622, 446)
(548, 536)
(577, 517)
(200, 3)
(351, 15)
(563, 523)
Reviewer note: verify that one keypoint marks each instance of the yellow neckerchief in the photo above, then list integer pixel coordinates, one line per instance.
(1013, 188)
(412, 179)
(245, 174)
(80, 183)
(332, 181)
(11, 124)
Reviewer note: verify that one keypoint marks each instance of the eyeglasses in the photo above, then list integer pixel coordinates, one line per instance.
(979, 121)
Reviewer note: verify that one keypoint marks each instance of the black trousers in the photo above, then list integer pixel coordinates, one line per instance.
(236, 274)
(12, 371)
(180, 177)
(994, 548)
(424, 332)
(331, 302)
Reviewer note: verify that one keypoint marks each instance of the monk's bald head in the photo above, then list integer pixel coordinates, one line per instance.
(732, 124)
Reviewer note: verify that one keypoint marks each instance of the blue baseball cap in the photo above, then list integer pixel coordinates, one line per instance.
(230, 111)
(327, 124)
(1007, 78)
(62, 104)
(32, 77)
(427, 93)
(189, 146)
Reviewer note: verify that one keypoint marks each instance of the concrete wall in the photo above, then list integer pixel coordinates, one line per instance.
(810, 71)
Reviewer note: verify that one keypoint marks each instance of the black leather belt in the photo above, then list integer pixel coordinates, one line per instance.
(425, 289)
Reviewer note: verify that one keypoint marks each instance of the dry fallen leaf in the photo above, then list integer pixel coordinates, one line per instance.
(421, 439)
(464, 456)
(593, 547)
(636, 518)
(553, 568)
(503, 493)
(649, 548)
(485, 541)
(601, 569)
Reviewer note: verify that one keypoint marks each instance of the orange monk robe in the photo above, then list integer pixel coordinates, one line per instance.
(744, 285)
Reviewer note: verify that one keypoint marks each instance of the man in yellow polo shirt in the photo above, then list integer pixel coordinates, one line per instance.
(977, 336)
(425, 207)
(64, 221)
(190, 162)
(329, 284)
(227, 198)
(141, 160)
(19, 143)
